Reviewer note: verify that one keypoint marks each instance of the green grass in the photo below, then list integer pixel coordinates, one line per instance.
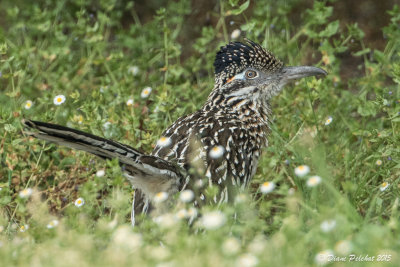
(87, 51)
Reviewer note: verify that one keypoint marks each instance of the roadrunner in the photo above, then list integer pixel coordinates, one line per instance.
(218, 145)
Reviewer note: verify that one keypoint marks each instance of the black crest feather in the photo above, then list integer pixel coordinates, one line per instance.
(236, 56)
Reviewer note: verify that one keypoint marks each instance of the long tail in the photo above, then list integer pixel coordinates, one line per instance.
(148, 173)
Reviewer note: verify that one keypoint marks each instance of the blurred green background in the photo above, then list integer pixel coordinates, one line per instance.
(101, 55)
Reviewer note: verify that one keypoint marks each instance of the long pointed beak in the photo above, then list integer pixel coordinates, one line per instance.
(297, 72)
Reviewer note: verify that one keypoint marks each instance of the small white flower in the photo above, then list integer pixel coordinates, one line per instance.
(124, 238)
(199, 183)
(160, 197)
(164, 141)
(182, 214)
(291, 191)
(59, 99)
(235, 34)
(129, 102)
(343, 247)
(302, 170)
(186, 195)
(328, 225)
(192, 213)
(166, 220)
(28, 104)
(247, 260)
(52, 224)
(267, 187)
(79, 202)
(159, 253)
(100, 173)
(258, 245)
(1, 228)
(313, 181)
(323, 257)
(27, 192)
(378, 162)
(231, 246)
(217, 152)
(23, 228)
(213, 220)
(146, 92)
(106, 125)
(383, 186)
(134, 70)
(241, 198)
(328, 120)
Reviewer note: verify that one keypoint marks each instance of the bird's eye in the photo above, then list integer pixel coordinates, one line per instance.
(251, 74)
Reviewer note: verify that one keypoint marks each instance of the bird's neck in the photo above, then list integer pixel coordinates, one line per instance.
(248, 107)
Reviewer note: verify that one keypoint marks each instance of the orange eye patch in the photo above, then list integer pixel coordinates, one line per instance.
(230, 79)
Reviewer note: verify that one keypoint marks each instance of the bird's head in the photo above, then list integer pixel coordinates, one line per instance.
(248, 70)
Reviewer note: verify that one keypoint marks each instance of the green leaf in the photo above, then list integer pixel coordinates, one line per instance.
(242, 8)
(9, 128)
(368, 109)
(5, 200)
(330, 30)
(362, 52)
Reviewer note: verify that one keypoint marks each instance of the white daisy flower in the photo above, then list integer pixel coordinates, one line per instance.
(52, 224)
(160, 197)
(28, 104)
(383, 186)
(23, 228)
(247, 260)
(59, 99)
(79, 202)
(213, 220)
(134, 70)
(323, 257)
(328, 120)
(302, 170)
(181, 214)
(166, 220)
(217, 152)
(343, 247)
(328, 225)
(186, 195)
(291, 191)
(124, 238)
(240, 198)
(267, 187)
(258, 245)
(100, 173)
(192, 213)
(106, 125)
(313, 181)
(146, 92)
(235, 34)
(231, 246)
(164, 141)
(129, 102)
(378, 162)
(199, 183)
(27, 192)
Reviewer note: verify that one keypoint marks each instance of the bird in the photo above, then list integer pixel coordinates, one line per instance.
(218, 145)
